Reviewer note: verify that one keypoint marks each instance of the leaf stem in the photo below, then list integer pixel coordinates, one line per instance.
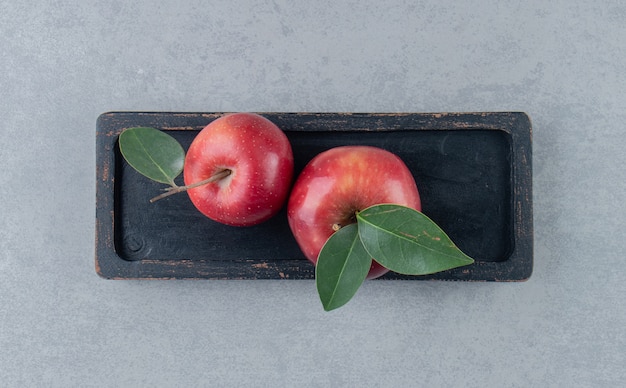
(179, 189)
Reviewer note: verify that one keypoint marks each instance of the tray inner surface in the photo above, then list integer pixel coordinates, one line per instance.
(464, 178)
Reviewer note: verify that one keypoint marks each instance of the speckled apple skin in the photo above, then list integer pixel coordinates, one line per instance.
(339, 182)
(260, 159)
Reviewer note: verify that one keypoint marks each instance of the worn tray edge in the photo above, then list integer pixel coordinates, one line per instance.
(110, 266)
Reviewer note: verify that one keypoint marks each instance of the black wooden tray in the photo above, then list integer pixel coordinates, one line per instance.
(473, 171)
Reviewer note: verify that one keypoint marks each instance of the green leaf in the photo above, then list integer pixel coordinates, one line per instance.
(153, 153)
(407, 242)
(342, 266)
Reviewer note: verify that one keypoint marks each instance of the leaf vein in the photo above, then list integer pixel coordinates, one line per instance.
(143, 147)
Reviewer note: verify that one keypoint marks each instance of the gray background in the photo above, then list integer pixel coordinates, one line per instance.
(64, 63)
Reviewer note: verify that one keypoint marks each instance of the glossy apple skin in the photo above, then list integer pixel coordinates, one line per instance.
(260, 159)
(339, 182)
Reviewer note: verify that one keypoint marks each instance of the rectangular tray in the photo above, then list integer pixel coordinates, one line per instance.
(473, 171)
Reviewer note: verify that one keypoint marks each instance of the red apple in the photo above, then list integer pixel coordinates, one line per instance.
(339, 182)
(256, 158)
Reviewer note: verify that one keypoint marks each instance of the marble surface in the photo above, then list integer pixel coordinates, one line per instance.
(64, 63)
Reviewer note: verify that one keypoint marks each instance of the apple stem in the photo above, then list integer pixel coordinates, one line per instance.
(179, 189)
